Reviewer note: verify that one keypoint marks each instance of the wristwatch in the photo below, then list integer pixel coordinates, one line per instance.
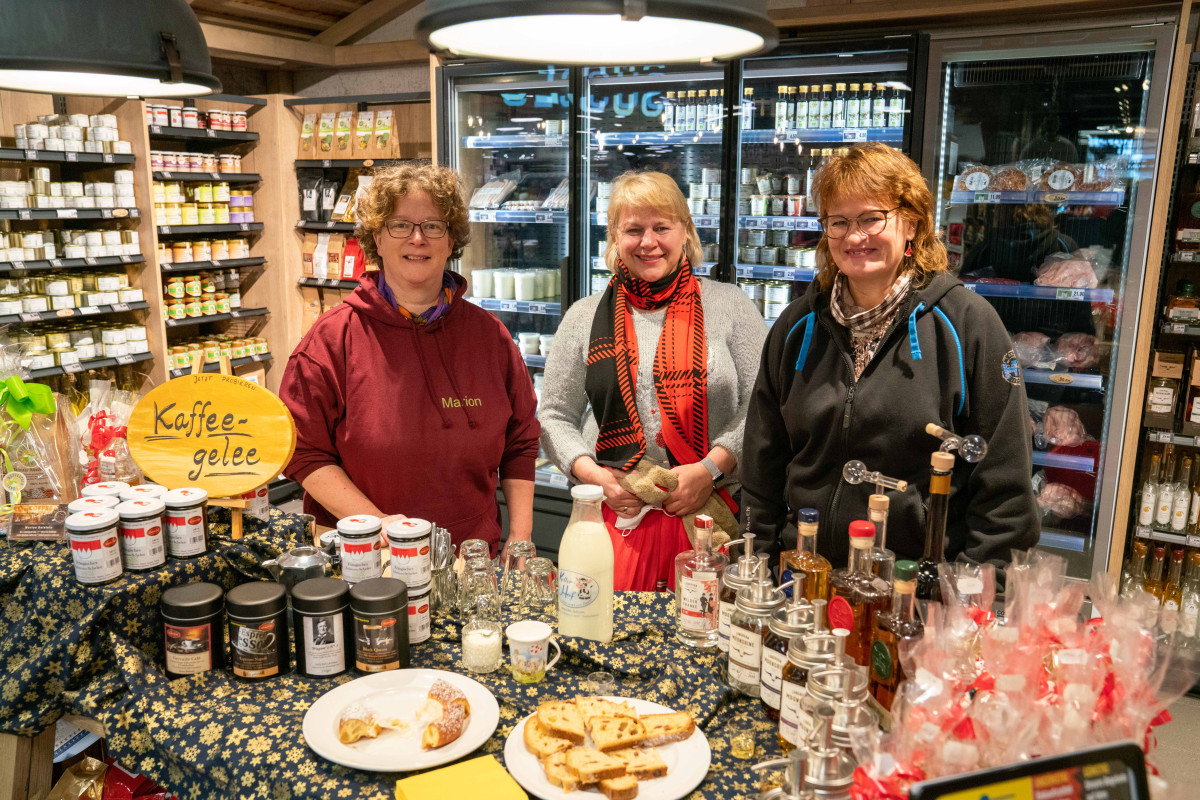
(712, 468)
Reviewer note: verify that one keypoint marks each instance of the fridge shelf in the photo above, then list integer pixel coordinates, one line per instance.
(651, 138)
(700, 220)
(1039, 197)
(760, 272)
(704, 270)
(515, 140)
(1029, 292)
(526, 217)
(1075, 379)
(1146, 532)
(552, 478)
(1170, 437)
(1062, 461)
(1063, 540)
(518, 306)
(534, 361)
(780, 223)
(823, 135)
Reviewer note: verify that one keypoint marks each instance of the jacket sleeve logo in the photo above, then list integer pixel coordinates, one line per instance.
(1011, 368)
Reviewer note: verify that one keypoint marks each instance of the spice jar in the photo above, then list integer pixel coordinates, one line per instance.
(321, 626)
(187, 522)
(258, 634)
(795, 619)
(409, 543)
(805, 654)
(380, 608)
(193, 630)
(141, 529)
(751, 615)
(361, 543)
(94, 550)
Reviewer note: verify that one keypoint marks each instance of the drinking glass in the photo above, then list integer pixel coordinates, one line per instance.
(741, 738)
(513, 566)
(474, 548)
(539, 593)
(482, 645)
(601, 684)
(478, 594)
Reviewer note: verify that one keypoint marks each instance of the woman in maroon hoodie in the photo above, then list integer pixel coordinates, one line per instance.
(408, 400)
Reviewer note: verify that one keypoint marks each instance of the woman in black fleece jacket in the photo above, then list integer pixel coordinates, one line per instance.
(884, 342)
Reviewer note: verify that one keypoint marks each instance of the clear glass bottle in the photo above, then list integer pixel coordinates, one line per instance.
(702, 110)
(801, 120)
(883, 561)
(751, 617)
(690, 111)
(1161, 396)
(805, 654)
(1149, 494)
(1173, 589)
(789, 118)
(585, 570)
(1166, 496)
(1134, 579)
(897, 107)
(781, 118)
(794, 619)
(1183, 496)
(854, 597)
(748, 109)
(735, 577)
(839, 105)
(814, 106)
(929, 590)
(697, 589)
(852, 106)
(1189, 606)
(1154, 581)
(900, 624)
(879, 107)
(805, 560)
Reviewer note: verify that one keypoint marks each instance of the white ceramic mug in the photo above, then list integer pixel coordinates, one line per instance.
(527, 649)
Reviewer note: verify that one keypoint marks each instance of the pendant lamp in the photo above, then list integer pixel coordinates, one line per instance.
(598, 32)
(115, 48)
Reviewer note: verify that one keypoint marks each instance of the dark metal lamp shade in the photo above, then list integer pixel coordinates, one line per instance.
(598, 32)
(116, 48)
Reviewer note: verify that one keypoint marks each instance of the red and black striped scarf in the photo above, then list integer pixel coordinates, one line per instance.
(680, 369)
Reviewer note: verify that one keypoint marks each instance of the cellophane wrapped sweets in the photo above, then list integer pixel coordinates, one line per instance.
(102, 433)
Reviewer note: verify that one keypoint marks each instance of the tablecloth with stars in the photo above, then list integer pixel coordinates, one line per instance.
(97, 652)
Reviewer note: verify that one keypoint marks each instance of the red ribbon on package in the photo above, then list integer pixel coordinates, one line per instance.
(101, 436)
(894, 786)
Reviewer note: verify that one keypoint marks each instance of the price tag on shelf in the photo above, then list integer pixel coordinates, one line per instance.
(543, 217)
(602, 218)
(166, 175)
(245, 225)
(30, 316)
(124, 359)
(72, 156)
(89, 261)
(216, 176)
(259, 357)
(1178, 327)
(66, 213)
(1068, 294)
(1142, 531)
(330, 223)
(107, 158)
(31, 155)
(106, 213)
(85, 310)
(487, 216)
(155, 129)
(18, 265)
(216, 262)
(65, 312)
(24, 213)
(745, 272)
(781, 274)
(126, 259)
(72, 367)
(508, 305)
(854, 135)
(325, 162)
(120, 306)
(211, 133)
(164, 228)
(780, 223)
(1164, 437)
(537, 308)
(987, 197)
(1193, 541)
(56, 263)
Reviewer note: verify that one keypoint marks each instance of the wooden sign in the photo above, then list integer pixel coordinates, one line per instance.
(219, 432)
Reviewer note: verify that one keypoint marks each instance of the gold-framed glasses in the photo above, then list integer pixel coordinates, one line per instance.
(870, 223)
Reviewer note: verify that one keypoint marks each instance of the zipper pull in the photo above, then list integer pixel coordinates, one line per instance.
(849, 403)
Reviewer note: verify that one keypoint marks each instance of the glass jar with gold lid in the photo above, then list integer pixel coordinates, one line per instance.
(175, 287)
(192, 286)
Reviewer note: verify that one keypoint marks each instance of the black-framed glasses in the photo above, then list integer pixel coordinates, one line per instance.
(869, 222)
(430, 228)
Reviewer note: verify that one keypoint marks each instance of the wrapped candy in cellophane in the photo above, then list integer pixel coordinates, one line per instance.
(101, 430)
(1038, 680)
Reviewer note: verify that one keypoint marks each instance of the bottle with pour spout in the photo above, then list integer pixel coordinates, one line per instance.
(585, 570)
(751, 617)
(793, 620)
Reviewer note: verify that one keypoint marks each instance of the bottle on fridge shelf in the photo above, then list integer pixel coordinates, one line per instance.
(814, 107)
(585, 569)
(668, 115)
(701, 111)
(895, 114)
(690, 112)
(792, 107)
(883, 561)
(1154, 581)
(1183, 496)
(781, 115)
(854, 596)
(865, 99)
(900, 624)
(735, 577)
(751, 618)
(1149, 494)
(826, 106)
(805, 560)
(852, 106)
(1173, 588)
(1189, 606)
(1166, 496)
(1184, 305)
(929, 589)
(1134, 579)
(698, 588)
(1194, 508)
(748, 109)
(716, 110)
(879, 106)
(839, 105)
(811, 165)
(800, 120)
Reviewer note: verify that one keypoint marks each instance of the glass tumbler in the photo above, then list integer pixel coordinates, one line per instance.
(539, 592)
(478, 593)
(513, 566)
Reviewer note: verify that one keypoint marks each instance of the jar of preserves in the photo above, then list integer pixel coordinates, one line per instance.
(175, 288)
(208, 304)
(192, 286)
(193, 307)
(212, 351)
(202, 250)
(220, 250)
(207, 284)
(222, 302)
(179, 357)
(176, 310)
(205, 214)
(181, 253)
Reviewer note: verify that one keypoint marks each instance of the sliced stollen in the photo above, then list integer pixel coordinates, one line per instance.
(557, 773)
(592, 766)
(599, 707)
(667, 728)
(642, 764)
(622, 788)
(614, 733)
(541, 742)
(561, 718)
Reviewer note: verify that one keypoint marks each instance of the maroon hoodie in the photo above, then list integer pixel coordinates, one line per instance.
(423, 420)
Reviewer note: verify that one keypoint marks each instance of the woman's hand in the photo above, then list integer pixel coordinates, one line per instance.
(623, 503)
(695, 485)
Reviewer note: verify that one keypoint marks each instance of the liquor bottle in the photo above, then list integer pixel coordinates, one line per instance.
(716, 110)
(1184, 305)
(892, 627)
(751, 619)
(929, 589)
(702, 111)
(1189, 606)
(781, 117)
(1194, 512)
(1134, 579)
(814, 107)
(1149, 494)
(1154, 582)
(854, 598)
(697, 589)
(839, 105)
(793, 620)
(852, 107)
(1173, 589)
(790, 112)
(668, 115)
(801, 121)
(805, 560)
(1183, 496)
(878, 107)
(690, 111)
(748, 109)
(826, 106)
(810, 173)
(585, 570)
(1166, 496)
(896, 111)
(883, 561)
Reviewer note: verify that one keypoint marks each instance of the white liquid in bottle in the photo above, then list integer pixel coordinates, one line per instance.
(585, 570)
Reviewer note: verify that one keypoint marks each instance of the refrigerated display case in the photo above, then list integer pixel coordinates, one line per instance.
(798, 107)
(1040, 149)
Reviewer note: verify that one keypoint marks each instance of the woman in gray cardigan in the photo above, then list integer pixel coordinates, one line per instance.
(658, 367)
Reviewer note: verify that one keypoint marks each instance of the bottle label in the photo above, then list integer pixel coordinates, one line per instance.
(1187, 618)
(771, 681)
(1146, 516)
(745, 655)
(698, 602)
(1180, 515)
(576, 590)
(790, 715)
(1170, 605)
(840, 614)
(1193, 516)
(324, 645)
(881, 661)
(1165, 502)
(724, 615)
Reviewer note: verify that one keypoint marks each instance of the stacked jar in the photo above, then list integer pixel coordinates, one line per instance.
(59, 291)
(181, 252)
(72, 133)
(67, 243)
(186, 353)
(37, 190)
(516, 284)
(43, 346)
(173, 161)
(218, 119)
(201, 204)
(202, 294)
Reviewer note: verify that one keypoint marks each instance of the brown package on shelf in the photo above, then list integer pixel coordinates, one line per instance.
(253, 372)
(310, 298)
(308, 131)
(333, 257)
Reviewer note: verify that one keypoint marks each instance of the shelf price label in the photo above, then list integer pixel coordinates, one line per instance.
(745, 272)
(1164, 437)
(325, 162)
(854, 135)
(211, 133)
(24, 213)
(30, 316)
(602, 218)
(106, 158)
(73, 367)
(72, 156)
(120, 306)
(89, 261)
(216, 262)
(164, 228)
(543, 217)
(1068, 294)
(18, 265)
(780, 223)
(166, 174)
(54, 262)
(782, 274)
(1178, 327)
(85, 310)
(216, 176)
(537, 308)
(987, 197)
(31, 155)
(66, 213)
(246, 225)
(156, 129)
(508, 305)
(124, 359)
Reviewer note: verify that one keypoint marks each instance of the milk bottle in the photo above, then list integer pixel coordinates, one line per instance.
(585, 570)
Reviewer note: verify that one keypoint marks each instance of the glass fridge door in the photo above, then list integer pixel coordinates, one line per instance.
(653, 118)
(1042, 158)
(508, 139)
(796, 111)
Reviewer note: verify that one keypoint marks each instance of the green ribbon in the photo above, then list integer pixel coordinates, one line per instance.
(22, 400)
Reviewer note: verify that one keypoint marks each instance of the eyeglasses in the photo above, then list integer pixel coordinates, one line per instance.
(430, 228)
(870, 222)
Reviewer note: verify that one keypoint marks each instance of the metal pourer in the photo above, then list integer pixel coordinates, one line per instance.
(856, 472)
(746, 562)
(830, 771)
(971, 448)
(794, 780)
(797, 608)
(819, 615)
(840, 635)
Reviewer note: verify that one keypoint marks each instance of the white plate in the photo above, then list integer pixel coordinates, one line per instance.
(687, 763)
(399, 693)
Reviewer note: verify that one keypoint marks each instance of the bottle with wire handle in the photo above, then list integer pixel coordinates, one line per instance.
(929, 588)
(795, 777)
(971, 448)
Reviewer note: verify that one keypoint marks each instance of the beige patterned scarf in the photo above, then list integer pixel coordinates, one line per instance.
(867, 326)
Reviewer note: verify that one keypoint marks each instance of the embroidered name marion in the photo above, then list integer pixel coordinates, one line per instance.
(454, 402)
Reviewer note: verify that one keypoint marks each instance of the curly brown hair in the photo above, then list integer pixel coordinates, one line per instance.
(389, 184)
(879, 172)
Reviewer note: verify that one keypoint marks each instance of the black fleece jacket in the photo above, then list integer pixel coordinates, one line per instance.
(946, 359)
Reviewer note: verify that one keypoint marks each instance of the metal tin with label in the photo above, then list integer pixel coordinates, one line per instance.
(409, 543)
(258, 635)
(141, 528)
(361, 543)
(194, 638)
(321, 627)
(380, 609)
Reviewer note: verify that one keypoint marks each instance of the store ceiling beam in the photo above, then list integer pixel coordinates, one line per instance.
(274, 12)
(369, 17)
(234, 44)
(831, 13)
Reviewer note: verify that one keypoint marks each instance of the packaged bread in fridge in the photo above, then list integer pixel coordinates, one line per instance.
(1063, 177)
(974, 178)
(1008, 178)
(1068, 270)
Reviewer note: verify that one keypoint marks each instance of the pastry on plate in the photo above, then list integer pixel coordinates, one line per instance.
(357, 722)
(642, 764)
(541, 742)
(561, 718)
(622, 788)
(614, 733)
(453, 720)
(557, 773)
(667, 728)
(592, 766)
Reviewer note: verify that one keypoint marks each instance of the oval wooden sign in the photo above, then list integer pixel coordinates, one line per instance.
(219, 432)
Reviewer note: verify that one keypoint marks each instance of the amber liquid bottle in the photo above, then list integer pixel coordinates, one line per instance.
(806, 561)
(854, 597)
(891, 628)
(929, 590)
(1173, 589)
(1154, 583)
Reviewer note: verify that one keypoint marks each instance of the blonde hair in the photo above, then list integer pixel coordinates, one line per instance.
(443, 186)
(879, 172)
(653, 191)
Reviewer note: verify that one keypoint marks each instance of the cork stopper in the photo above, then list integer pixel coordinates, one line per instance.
(878, 502)
(942, 462)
